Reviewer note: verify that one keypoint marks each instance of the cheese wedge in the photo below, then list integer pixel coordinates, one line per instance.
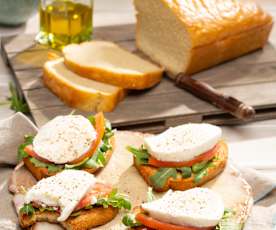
(184, 142)
(79, 92)
(64, 139)
(108, 63)
(198, 207)
(64, 190)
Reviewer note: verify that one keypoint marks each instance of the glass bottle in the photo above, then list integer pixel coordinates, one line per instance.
(65, 21)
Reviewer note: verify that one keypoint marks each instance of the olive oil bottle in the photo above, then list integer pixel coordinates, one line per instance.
(65, 21)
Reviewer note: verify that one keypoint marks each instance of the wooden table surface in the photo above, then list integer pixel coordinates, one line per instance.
(110, 12)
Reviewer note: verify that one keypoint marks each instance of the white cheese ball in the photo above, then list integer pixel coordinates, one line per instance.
(198, 207)
(64, 190)
(184, 142)
(64, 139)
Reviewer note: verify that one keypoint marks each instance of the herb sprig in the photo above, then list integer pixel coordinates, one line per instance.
(27, 209)
(141, 154)
(21, 154)
(130, 221)
(228, 221)
(115, 200)
(17, 103)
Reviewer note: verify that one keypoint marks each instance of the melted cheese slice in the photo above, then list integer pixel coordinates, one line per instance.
(183, 143)
(64, 190)
(198, 207)
(64, 139)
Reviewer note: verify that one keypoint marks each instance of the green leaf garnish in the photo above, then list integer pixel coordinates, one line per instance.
(141, 155)
(76, 166)
(228, 222)
(21, 154)
(130, 221)
(27, 209)
(17, 103)
(92, 120)
(52, 168)
(49, 209)
(160, 178)
(150, 196)
(74, 214)
(203, 172)
(186, 172)
(199, 166)
(115, 200)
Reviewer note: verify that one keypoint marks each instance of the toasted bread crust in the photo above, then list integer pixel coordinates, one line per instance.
(180, 183)
(40, 173)
(86, 220)
(121, 80)
(81, 99)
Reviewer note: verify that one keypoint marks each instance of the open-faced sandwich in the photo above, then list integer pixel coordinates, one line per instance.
(68, 142)
(194, 209)
(72, 198)
(182, 157)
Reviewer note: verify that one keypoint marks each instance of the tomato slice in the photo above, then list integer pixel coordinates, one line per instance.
(98, 190)
(29, 150)
(159, 225)
(203, 157)
(100, 129)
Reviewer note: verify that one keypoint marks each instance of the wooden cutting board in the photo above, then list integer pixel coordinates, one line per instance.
(251, 78)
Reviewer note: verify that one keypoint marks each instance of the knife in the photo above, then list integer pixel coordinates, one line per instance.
(207, 93)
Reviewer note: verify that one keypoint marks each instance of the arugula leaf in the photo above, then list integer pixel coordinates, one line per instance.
(203, 172)
(115, 200)
(199, 166)
(21, 154)
(130, 221)
(186, 172)
(27, 209)
(74, 214)
(91, 118)
(49, 209)
(160, 178)
(76, 166)
(52, 168)
(150, 196)
(228, 222)
(17, 102)
(141, 155)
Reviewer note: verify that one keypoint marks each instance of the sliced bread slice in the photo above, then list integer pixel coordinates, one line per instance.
(79, 92)
(107, 62)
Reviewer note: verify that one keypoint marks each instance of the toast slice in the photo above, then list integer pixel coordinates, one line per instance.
(40, 173)
(86, 219)
(106, 62)
(79, 92)
(180, 183)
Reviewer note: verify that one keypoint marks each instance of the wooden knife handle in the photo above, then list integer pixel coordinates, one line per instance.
(208, 93)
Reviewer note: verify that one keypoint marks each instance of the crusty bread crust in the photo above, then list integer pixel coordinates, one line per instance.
(125, 81)
(213, 41)
(86, 220)
(81, 99)
(40, 173)
(229, 48)
(180, 183)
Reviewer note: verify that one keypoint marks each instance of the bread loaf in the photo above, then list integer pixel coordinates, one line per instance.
(79, 92)
(106, 62)
(189, 36)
